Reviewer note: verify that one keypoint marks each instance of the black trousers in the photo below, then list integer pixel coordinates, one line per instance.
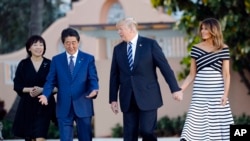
(136, 121)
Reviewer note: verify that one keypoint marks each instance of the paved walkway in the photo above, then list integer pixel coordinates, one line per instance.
(111, 139)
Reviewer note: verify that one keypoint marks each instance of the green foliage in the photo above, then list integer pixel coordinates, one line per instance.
(14, 24)
(242, 120)
(234, 16)
(53, 132)
(157, 3)
(167, 127)
(117, 131)
(15, 19)
(164, 127)
(7, 129)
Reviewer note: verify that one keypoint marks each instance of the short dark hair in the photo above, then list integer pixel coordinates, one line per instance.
(69, 32)
(34, 39)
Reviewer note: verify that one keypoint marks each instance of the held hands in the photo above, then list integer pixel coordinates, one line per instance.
(35, 91)
(114, 107)
(43, 99)
(178, 95)
(92, 94)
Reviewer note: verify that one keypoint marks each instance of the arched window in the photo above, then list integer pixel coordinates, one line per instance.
(115, 13)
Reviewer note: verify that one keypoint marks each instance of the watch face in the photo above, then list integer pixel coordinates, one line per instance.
(115, 13)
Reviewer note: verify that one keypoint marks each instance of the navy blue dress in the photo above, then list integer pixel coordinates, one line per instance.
(32, 119)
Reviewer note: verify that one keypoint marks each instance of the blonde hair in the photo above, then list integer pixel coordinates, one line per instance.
(129, 22)
(213, 26)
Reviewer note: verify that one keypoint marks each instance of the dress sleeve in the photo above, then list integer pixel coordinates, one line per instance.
(225, 55)
(19, 80)
(194, 53)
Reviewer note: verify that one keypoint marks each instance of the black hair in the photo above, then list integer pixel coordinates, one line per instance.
(69, 32)
(34, 39)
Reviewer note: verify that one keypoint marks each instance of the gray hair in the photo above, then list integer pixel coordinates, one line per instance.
(129, 22)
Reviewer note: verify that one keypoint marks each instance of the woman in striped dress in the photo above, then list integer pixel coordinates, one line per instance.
(209, 116)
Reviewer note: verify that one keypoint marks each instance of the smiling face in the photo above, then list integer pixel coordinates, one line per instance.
(70, 39)
(205, 33)
(35, 45)
(71, 44)
(210, 30)
(37, 49)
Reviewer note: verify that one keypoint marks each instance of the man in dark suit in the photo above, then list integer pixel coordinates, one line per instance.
(134, 76)
(77, 84)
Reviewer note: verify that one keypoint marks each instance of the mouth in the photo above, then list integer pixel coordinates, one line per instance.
(38, 51)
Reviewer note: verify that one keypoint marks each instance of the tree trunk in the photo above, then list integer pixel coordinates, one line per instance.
(36, 17)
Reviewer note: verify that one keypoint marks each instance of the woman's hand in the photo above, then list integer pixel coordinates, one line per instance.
(224, 100)
(36, 91)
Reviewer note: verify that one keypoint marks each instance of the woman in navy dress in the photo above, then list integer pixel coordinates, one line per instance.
(32, 120)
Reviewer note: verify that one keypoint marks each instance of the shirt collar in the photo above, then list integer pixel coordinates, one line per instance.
(134, 40)
(75, 55)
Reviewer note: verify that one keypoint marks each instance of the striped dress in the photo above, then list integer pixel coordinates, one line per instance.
(207, 119)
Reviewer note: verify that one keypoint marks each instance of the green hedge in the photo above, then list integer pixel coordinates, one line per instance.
(169, 127)
(166, 127)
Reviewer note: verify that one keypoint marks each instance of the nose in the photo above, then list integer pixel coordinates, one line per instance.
(70, 45)
(39, 47)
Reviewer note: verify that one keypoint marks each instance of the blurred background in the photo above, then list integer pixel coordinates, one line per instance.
(173, 23)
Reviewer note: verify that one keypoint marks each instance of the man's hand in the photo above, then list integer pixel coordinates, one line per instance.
(43, 99)
(178, 95)
(92, 94)
(114, 107)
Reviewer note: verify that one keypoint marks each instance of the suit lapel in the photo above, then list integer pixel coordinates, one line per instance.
(138, 52)
(123, 54)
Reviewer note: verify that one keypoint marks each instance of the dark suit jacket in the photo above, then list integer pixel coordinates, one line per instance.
(72, 89)
(142, 80)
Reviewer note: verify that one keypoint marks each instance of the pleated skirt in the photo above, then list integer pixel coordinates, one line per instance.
(207, 119)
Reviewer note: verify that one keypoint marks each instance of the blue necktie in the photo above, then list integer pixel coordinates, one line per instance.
(130, 56)
(71, 64)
